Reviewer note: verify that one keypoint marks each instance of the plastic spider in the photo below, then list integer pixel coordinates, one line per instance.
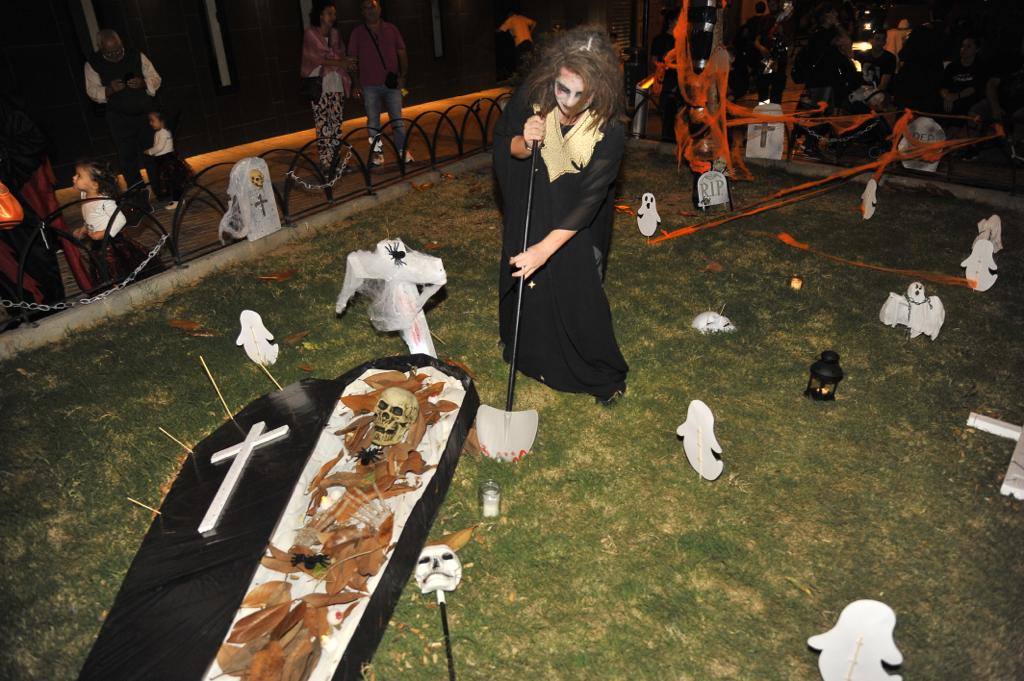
(370, 455)
(396, 254)
(311, 562)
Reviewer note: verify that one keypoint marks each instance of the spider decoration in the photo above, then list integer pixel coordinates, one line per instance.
(370, 455)
(311, 562)
(396, 254)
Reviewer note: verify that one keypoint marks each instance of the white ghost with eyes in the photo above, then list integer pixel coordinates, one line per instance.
(920, 313)
(855, 648)
(699, 442)
(647, 218)
(980, 265)
(255, 338)
(438, 568)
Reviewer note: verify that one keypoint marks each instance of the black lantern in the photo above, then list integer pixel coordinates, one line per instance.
(825, 376)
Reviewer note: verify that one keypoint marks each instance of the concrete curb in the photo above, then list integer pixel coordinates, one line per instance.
(56, 328)
(990, 197)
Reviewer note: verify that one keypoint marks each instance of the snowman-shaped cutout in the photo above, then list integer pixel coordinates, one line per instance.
(980, 265)
(255, 338)
(861, 641)
(699, 442)
(647, 218)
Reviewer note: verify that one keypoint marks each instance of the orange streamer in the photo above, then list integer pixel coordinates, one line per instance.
(935, 277)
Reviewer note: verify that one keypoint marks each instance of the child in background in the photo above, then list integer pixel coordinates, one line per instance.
(167, 173)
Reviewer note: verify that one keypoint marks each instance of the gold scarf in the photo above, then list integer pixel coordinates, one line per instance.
(568, 154)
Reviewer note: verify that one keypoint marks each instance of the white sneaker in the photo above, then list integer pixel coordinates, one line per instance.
(377, 160)
(171, 205)
(409, 158)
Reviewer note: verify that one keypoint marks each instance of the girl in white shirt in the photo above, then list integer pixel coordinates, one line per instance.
(94, 181)
(167, 173)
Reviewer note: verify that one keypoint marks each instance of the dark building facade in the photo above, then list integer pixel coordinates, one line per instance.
(45, 44)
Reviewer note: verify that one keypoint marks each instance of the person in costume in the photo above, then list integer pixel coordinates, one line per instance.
(571, 104)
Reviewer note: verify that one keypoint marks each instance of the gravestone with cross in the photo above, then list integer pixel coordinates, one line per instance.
(252, 211)
(766, 139)
(1013, 482)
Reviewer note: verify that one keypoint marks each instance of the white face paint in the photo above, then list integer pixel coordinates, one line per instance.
(569, 93)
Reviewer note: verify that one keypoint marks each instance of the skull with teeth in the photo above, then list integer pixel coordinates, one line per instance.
(439, 567)
(256, 177)
(396, 410)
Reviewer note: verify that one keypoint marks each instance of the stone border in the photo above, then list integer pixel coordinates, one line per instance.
(55, 328)
(990, 197)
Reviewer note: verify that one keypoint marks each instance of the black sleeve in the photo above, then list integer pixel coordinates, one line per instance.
(578, 210)
(509, 124)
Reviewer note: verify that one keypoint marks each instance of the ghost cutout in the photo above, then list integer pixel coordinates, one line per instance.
(921, 314)
(991, 229)
(698, 433)
(869, 199)
(980, 265)
(255, 338)
(392, 276)
(252, 211)
(438, 568)
(647, 218)
(712, 322)
(855, 648)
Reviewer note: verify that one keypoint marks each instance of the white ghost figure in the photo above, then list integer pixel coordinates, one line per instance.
(869, 199)
(252, 211)
(712, 322)
(255, 338)
(914, 310)
(438, 568)
(991, 229)
(698, 433)
(647, 218)
(980, 265)
(392, 276)
(855, 648)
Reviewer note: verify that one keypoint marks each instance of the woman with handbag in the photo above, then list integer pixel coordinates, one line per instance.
(325, 80)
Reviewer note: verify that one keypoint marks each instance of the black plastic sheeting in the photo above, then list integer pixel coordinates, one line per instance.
(183, 589)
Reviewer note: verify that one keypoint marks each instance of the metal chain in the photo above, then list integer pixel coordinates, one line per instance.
(337, 176)
(843, 139)
(37, 307)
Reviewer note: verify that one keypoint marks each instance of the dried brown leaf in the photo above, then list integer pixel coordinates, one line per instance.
(320, 474)
(361, 404)
(258, 623)
(315, 620)
(323, 600)
(294, 617)
(297, 659)
(456, 540)
(280, 275)
(185, 324)
(385, 379)
(269, 593)
(278, 565)
(293, 339)
(713, 266)
(307, 367)
(267, 664)
(234, 659)
(472, 443)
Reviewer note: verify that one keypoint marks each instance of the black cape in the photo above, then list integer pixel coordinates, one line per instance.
(566, 337)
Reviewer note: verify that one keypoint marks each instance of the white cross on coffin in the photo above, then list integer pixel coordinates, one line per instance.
(241, 452)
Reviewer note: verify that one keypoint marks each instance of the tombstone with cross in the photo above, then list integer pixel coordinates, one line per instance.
(252, 211)
(766, 139)
(1013, 482)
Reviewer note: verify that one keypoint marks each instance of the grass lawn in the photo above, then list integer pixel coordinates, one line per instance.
(613, 560)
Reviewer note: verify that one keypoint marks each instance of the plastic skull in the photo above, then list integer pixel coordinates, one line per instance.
(439, 567)
(396, 410)
(256, 177)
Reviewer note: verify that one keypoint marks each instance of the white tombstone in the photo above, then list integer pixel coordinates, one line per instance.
(255, 338)
(922, 129)
(1013, 481)
(980, 266)
(699, 442)
(252, 211)
(766, 140)
(712, 189)
(855, 648)
(991, 229)
(914, 310)
(392, 276)
(647, 218)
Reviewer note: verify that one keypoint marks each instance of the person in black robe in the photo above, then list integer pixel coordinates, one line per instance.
(571, 103)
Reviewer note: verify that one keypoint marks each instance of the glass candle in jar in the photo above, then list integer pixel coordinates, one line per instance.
(490, 499)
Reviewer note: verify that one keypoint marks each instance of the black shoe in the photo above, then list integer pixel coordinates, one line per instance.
(611, 399)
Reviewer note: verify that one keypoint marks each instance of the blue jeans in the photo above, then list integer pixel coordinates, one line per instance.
(374, 96)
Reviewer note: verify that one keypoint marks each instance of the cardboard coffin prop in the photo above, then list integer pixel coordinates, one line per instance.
(307, 559)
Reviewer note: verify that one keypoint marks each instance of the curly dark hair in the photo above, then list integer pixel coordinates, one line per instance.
(102, 175)
(586, 51)
(317, 9)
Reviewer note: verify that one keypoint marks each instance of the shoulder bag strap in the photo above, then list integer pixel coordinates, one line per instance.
(381, 56)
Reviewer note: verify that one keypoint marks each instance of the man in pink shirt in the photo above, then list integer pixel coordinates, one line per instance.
(383, 63)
